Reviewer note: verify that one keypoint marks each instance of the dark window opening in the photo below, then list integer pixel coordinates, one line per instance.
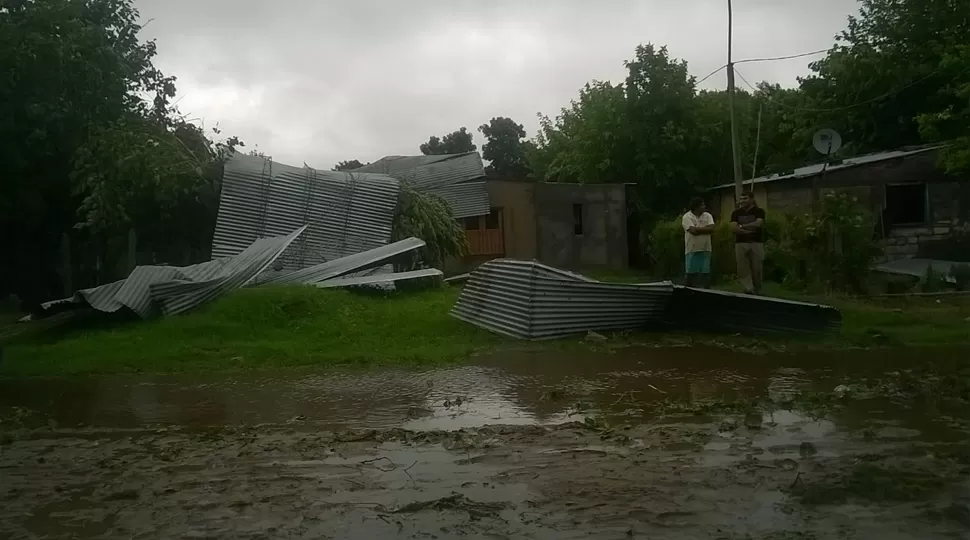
(493, 218)
(578, 219)
(472, 223)
(906, 204)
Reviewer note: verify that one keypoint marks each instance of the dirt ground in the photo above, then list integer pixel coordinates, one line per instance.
(679, 477)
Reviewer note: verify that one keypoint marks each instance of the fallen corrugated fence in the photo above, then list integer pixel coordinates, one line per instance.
(151, 290)
(529, 300)
(168, 290)
(707, 310)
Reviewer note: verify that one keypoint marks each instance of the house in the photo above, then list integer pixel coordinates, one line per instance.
(563, 225)
(911, 198)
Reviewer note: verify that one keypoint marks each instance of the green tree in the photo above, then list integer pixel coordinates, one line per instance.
(347, 165)
(70, 68)
(504, 148)
(643, 131)
(896, 76)
(456, 142)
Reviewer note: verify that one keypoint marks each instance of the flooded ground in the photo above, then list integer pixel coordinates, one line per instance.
(642, 443)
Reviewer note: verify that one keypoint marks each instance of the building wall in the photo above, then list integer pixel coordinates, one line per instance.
(868, 184)
(603, 243)
(517, 201)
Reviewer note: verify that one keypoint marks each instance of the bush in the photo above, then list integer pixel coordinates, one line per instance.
(428, 217)
(829, 250)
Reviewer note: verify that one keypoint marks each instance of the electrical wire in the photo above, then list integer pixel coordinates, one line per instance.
(789, 57)
(709, 75)
(859, 104)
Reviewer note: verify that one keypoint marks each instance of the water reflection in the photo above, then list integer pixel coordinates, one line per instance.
(508, 388)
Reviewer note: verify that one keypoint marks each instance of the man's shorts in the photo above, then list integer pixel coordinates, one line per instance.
(698, 262)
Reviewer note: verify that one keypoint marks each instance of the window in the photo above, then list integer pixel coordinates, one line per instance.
(493, 218)
(472, 223)
(906, 204)
(578, 219)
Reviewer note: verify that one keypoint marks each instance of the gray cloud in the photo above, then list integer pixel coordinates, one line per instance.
(325, 81)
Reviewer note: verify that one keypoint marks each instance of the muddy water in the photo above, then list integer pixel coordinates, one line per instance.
(507, 388)
(587, 445)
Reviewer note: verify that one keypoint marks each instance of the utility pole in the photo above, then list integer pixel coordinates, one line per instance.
(734, 127)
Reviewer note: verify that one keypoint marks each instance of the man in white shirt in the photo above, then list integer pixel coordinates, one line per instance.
(698, 227)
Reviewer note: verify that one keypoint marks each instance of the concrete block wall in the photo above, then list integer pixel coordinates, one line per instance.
(904, 242)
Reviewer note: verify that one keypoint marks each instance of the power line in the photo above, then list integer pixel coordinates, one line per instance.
(789, 57)
(709, 75)
(859, 104)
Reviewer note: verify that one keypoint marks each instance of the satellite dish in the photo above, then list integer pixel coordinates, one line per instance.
(827, 141)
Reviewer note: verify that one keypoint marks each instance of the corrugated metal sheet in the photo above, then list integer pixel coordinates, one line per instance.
(151, 290)
(529, 300)
(179, 296)
(816, 168)
(388, 280)
(720, 311)
(346, 212)
(457, 178)
(466, 199)
(345, 265)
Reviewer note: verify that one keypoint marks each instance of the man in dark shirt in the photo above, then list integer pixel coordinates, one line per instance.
(748, 222)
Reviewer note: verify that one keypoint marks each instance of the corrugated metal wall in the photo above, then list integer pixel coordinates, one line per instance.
(345, 212)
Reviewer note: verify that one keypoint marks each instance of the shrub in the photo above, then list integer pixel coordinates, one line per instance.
(830, 249)
(428, 217)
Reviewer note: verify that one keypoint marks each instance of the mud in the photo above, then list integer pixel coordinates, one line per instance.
(668, 479)
(612, 446)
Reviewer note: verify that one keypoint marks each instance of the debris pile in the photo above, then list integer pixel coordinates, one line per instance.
(153, 290)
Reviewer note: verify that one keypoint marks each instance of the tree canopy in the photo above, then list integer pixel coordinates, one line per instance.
(456, 142)
(347, 165)
(91, 143)
(504, 148)
(898, 75)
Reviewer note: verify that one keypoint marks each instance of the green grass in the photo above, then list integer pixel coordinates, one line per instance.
(271, 327)
(910, 321)
(261, 328)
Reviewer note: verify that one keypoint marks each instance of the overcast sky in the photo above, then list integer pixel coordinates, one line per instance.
(322, 81)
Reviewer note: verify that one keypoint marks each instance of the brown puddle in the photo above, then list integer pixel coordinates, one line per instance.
(509, 388)
(638, 443)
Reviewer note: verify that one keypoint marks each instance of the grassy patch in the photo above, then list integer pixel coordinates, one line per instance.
(291, 326)
(264, 327)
